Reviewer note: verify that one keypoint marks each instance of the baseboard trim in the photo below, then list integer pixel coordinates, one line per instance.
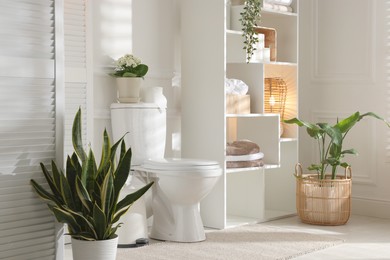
(371, 207)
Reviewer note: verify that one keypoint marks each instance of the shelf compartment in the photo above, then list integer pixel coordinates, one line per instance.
(251, 74)
(281, 179)
(245, 195)
(289, 75)
(262, 130)
(286, 27)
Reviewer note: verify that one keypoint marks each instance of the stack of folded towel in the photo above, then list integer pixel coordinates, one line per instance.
(243, 153)
(278, 5)
(235, 87)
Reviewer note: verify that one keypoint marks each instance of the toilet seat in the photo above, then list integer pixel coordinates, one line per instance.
(175, 166)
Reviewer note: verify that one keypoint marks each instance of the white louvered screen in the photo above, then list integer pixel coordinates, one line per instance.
(75, 69)
(27, 126)
(387, 27)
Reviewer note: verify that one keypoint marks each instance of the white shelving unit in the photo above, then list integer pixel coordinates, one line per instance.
(245, 195)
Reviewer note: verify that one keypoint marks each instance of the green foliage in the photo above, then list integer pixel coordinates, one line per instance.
(130, 66)
(86, 197)
(249, 18)
(138, 71)
(331, 151)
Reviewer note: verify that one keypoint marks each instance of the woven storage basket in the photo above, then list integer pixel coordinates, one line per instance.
(323, 202)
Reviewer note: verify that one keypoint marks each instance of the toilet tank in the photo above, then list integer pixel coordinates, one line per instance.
(146, 127)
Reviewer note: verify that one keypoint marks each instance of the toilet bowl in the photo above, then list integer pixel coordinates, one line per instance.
(180, 186)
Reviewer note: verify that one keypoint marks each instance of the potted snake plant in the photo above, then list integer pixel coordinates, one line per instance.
(324, 198)
(86, 196)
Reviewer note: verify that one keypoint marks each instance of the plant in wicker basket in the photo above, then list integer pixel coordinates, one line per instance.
(325, 198)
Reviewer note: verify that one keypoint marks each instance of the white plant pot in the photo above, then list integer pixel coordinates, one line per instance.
(129, 89)
(94, 250)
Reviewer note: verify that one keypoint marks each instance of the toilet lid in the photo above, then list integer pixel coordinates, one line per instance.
(139, 105)
(180, 164)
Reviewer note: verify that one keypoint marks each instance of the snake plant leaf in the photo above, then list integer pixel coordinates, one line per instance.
(122, 173)
(123, 150)
(132, 197)
(83, 195)
(115, 147)
(63, 216)
(71, 175)
(76, 164)
(106, 193)
(66, 192)
(89, 172)
(110, 233)
(106, 153)
(99, 221)
(56, 176)
(120, 213)
(44, 194)
(86, 229)
(77, 137)
(49, 179)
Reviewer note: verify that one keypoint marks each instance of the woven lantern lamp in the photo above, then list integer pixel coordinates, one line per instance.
(275, 93)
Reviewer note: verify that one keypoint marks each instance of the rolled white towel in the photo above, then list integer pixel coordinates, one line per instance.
(268, 6)
(282, 8)
(279, 2)
(244, 158)
(236, 86)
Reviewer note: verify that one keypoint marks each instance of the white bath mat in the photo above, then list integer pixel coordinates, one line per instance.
(247, 242)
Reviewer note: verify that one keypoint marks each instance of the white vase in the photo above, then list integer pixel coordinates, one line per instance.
(94, 250)
(129, 89)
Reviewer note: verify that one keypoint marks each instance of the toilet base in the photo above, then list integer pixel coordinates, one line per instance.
(185, 226)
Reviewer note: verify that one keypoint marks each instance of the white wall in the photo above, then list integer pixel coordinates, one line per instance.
(146, 28)
(342, 54)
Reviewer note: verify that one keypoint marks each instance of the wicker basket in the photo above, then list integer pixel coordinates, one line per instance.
(323, 202)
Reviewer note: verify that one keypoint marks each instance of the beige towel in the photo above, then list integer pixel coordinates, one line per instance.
(242, 147)
(255, 163)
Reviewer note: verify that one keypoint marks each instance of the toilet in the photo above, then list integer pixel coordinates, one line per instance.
(180, 184)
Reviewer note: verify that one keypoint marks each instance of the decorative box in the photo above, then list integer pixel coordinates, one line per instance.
(238, 104)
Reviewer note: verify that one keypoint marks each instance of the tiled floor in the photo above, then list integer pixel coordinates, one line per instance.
(365, 238)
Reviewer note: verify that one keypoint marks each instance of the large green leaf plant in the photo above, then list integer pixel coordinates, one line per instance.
(86, 197)
(330, 141)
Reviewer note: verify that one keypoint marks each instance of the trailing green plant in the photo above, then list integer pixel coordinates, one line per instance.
(330, 141)
(249, 18)
(86, 197)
